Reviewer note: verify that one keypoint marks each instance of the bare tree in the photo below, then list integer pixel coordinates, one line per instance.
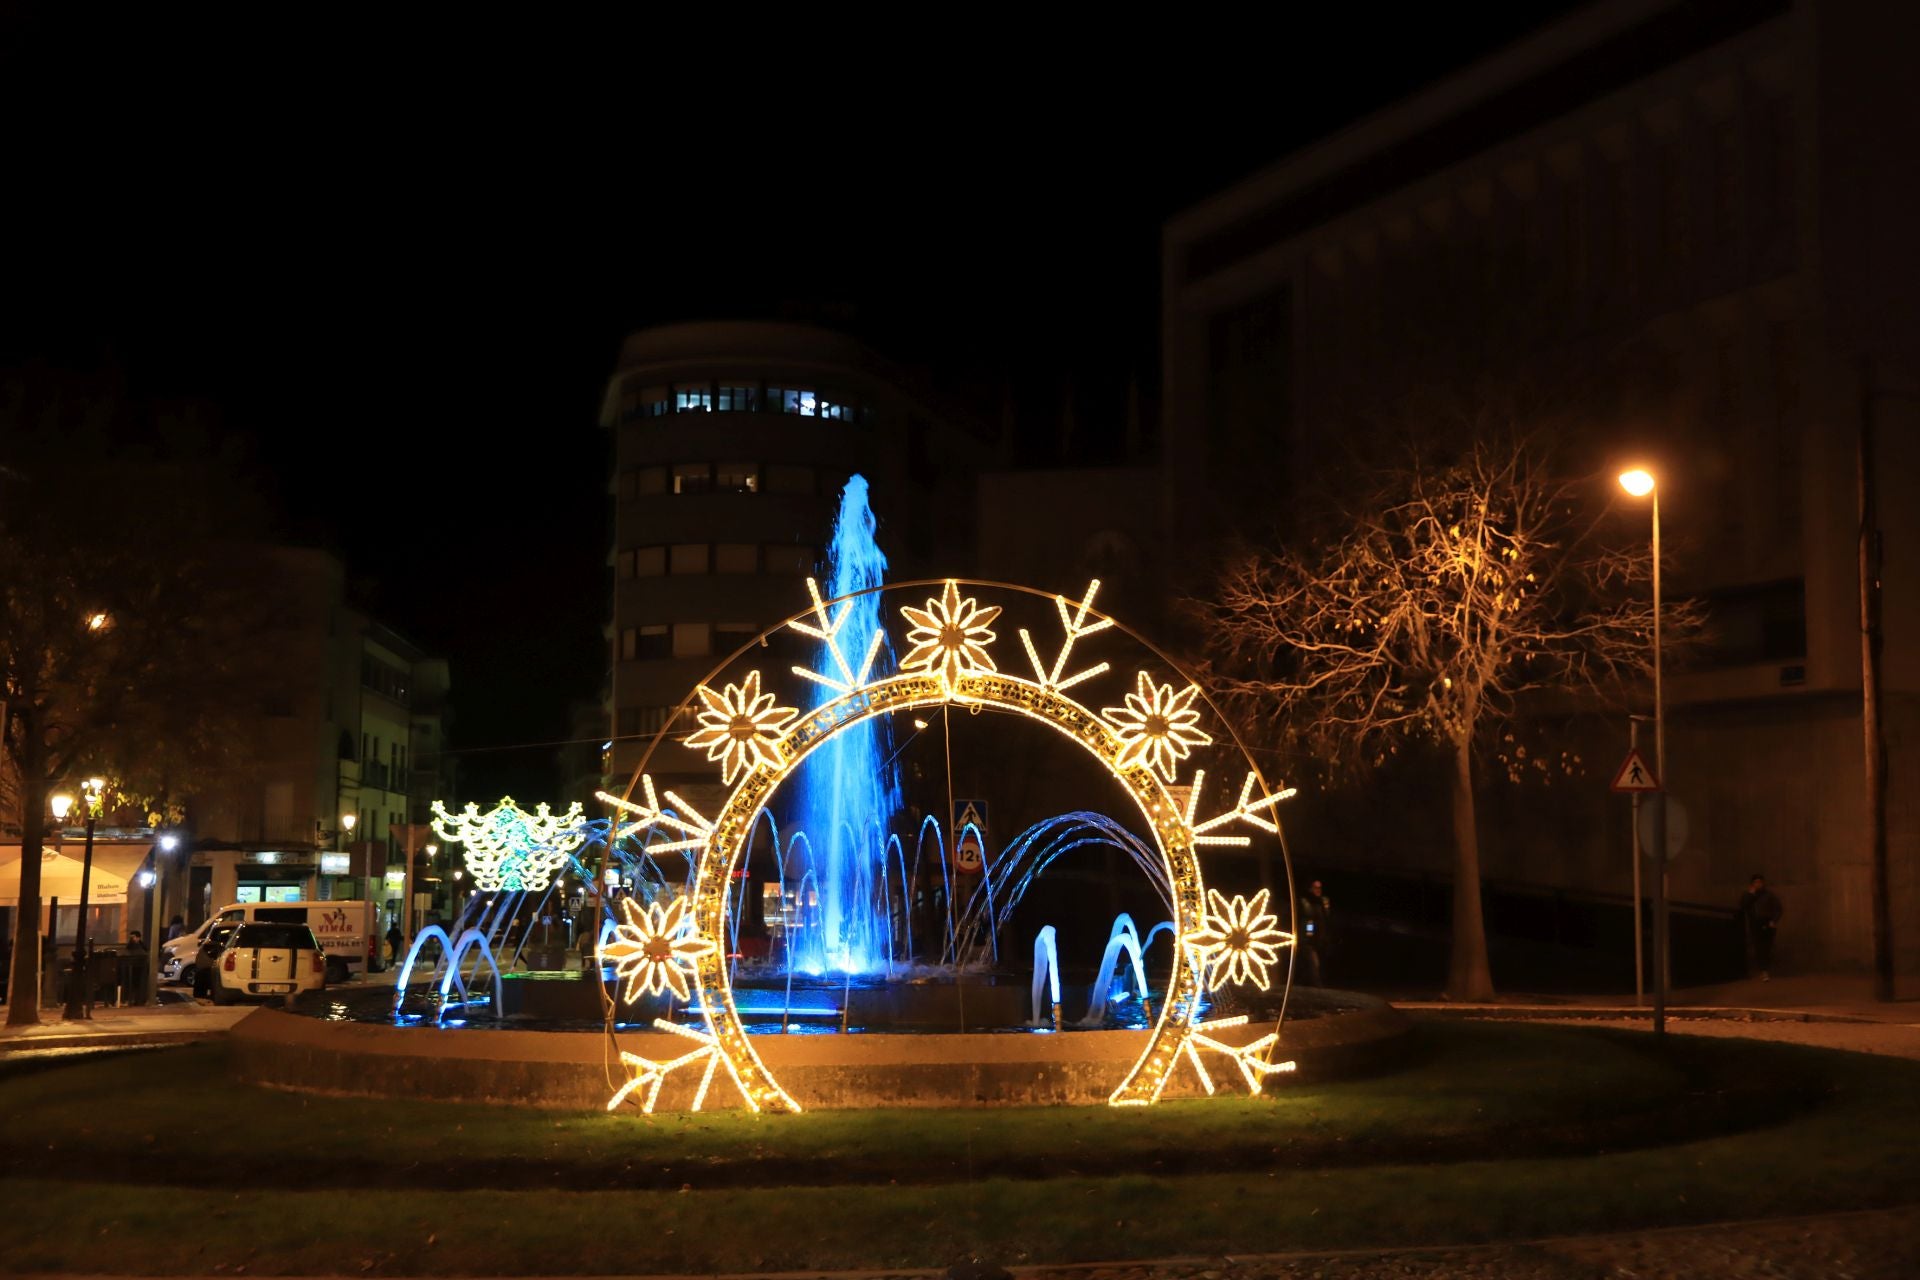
(1452, 597)
(127, 647)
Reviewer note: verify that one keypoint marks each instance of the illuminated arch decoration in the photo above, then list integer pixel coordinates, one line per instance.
(509, 848)
(758, 744)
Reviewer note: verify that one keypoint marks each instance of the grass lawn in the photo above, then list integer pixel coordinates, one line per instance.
(161, 1163)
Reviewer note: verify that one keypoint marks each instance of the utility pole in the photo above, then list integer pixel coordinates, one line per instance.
(1871, 729)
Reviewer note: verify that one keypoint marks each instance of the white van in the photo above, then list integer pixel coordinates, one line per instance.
(345, 931)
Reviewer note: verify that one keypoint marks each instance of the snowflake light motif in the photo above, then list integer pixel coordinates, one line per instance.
(645, 1075)
(653, 949)
(740, 727)
(1251, 1059)
(1157, 726)
(949, 636)
(509, 848)
(1238, 940)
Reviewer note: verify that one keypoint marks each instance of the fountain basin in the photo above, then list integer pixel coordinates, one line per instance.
(581, 1069)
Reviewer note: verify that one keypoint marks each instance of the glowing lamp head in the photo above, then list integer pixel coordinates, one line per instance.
(146, 879)
(169, 843)
(61, 804)
(348, 821)
(97, 622)
(1638, 482)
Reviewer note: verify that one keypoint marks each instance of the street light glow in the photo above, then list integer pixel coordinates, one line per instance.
(60, 803)
(169, 843)
(97, 622)
(348, 819)
(1638, 482)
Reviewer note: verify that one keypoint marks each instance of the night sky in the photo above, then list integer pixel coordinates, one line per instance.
(397, 264)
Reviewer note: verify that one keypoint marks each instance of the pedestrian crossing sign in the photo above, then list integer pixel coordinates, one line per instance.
(1635, 776)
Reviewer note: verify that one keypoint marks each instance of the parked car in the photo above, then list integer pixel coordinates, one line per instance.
(214, 936)
(276, 961)
(345, 931)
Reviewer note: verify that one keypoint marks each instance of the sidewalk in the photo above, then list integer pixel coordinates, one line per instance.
(1809, 998)
(126, 1027)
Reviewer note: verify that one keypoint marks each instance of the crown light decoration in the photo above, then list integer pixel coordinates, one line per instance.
(509, 848)
(758, 744)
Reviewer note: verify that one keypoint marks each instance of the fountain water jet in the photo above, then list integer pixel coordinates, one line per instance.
(849, 792)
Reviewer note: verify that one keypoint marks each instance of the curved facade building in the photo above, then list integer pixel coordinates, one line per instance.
(731, 442)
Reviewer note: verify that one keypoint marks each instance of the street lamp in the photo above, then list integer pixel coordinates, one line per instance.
(166, 844)
(1640, 483)
(79, 993)
(347, 823)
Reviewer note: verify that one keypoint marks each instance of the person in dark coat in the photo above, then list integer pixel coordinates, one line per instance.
(395, 941)
(1314, 940)
(1760, 916)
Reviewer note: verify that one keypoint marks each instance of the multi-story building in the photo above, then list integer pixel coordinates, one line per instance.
(731, 443)
(1710, 206)
(358, 705)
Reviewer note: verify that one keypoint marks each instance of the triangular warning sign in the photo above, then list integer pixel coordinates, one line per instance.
(1635, 775)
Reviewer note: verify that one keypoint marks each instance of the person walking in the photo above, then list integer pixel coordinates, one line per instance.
(395, 941)
(1314, 940)
(1760, 915)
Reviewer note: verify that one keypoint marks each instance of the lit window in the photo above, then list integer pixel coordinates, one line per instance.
(692, 397)
(738, 399)
(688, 557)
(692, 477)
(692, 639)
(836, 410)
(736, 557)
(655, 401)
(788, 479)
(629, 644)
(798, 400)
(737, 477)
(649, 562)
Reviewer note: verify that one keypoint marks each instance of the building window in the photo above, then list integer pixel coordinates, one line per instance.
(789, 479)
(737, 477)
(692, 477)
(736, 557)
(692, 397)
(689, 557)
(649, 562)
(629, 645)
(654, 642)
(729, 636)
(738, 399)
(624, 565)
(655, 402)
(627, 722)
(837, 409)
(798, 400)
(648, 480)
(781, 557)
(692, 639)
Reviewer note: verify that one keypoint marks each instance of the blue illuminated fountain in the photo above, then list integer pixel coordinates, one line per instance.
(848, 792)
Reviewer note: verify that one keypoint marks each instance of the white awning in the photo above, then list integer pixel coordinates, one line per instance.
(60, 878)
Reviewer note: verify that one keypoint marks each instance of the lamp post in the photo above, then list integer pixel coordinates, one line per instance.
(347, 822)
(79, 992)
(166, 844)
(1640, 483)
